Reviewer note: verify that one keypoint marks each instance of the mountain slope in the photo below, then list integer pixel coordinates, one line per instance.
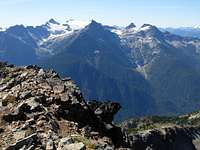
(97, 62)
(171, 65)
(15, 50)
(146, 70)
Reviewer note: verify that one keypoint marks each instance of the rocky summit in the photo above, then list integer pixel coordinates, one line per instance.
(39, 110)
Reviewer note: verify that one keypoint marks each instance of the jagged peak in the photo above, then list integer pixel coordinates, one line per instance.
(17, 28)
(52, 21)
(146, 25)
(94, 24)
(131, 25)
(149, 27)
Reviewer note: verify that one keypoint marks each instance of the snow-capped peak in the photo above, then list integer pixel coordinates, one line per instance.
(117, 30)
(59, 29)
(70, 25)
(145, 27)
(77, 24)
(55, 27)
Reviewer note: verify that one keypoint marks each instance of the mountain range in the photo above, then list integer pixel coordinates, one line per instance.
(184, 31)
(147, 69)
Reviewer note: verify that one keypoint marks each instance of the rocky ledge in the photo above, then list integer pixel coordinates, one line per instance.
(39, 110)
(164, 133)
(166, 138)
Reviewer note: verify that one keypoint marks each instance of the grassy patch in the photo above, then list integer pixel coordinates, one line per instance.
(142, 128)
(85, 141)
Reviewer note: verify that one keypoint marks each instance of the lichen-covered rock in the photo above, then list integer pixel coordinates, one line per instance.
(74, 146)
(65, 141)
(25, 143)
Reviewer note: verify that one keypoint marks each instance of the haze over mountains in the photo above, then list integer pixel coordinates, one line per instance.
(147, 70)
(185, 31)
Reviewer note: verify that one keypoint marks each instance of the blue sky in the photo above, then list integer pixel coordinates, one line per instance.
(113, 12)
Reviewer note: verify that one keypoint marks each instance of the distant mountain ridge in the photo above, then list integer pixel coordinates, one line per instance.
(145, 69)
(185, 31)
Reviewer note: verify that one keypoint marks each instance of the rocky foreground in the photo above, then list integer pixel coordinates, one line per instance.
(39, 110)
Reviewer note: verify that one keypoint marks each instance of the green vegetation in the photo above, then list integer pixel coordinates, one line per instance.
(85, 141)
(146, 123)
(144, 127)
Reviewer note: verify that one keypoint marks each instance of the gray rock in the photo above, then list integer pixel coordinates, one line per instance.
(8, 98)
(33, 104)
(27, 142)
(41, 72)
(74, 146)
(59, 89)
(50, 145)
(105, 110)
(25, 94)
(64, 97)
(65, 141)
(19, 135)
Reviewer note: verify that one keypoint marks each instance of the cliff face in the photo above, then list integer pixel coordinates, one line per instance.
(167, 138)
(38, 110)
(164, 133)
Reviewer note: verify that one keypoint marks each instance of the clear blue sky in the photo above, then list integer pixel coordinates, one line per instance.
(120, 12)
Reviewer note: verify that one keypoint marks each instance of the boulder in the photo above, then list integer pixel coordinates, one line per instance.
(74, 146)
(65, 141)
(19, 135)
(50, 145)
(105, 110)
(15, 117)
(26, 142)
(8, 98)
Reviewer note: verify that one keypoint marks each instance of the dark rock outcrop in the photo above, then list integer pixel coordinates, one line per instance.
(104, 110)
(168, 138)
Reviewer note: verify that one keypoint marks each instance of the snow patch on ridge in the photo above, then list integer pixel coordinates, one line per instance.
(61, 30)
(128, 31)
(77, 24)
